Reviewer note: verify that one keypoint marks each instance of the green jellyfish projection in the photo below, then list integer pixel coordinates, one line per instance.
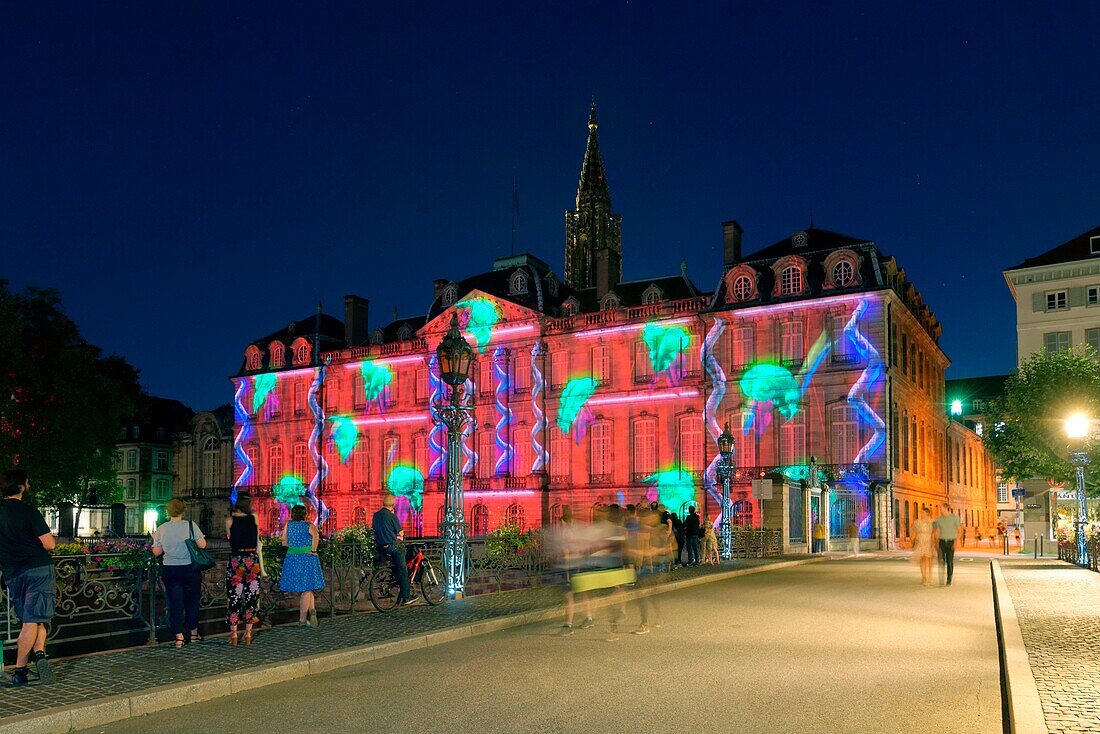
(376, 377)
(770, 385)
(346, 435)
(408, 482)
(573, 402)
(674, 487)
(483, 317)
(265, 383)
(665, 343)
(289, 491)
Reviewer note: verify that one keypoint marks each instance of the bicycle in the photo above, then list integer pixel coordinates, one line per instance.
(384, 589)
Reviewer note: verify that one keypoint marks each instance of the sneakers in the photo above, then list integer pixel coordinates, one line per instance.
(566, 630)
(19, 677)
(412, 602)
(587, 623)
(42, 666)
(642, 630)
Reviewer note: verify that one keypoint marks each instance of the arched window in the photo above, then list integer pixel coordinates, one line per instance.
(790, 280)
(513, 515)
(556, 510)
(479, 520)
(610, 302)
(301, 353)
(843, 274)
(569, 307)
(652, 295)
(210, 452)
(253, 358)
(742, 288)
(404, 333)
(278, 354)
(518, 283)
(360, 515)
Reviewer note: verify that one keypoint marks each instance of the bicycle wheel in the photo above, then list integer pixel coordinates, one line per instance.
(431, 584)
(383, 590)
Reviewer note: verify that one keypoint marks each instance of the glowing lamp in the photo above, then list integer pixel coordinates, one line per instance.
(454, 354)
(151, 517)
(956, 407)
(725, 442)
(1077, 425)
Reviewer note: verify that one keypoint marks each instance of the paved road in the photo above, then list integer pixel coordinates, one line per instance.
(837, 646)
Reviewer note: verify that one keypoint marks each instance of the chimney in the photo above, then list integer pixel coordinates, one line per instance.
(439, 284)
(356, 310)
(608, 268)
(731, 244)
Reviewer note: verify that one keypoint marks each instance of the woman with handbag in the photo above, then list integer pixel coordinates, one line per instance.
(246, 566)
(180, 545)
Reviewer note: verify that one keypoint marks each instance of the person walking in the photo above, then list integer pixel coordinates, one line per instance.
(691, 536)
(947, 529)
(182, 583)
(25, 545)
(301, 568)
(853, 537)
(923, 547)
(243, 572)
(388, 535)
(710, 542)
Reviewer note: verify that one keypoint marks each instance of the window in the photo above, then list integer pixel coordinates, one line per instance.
(846, 444)
(361, 462)
(791, 342)
(301, 354)
(790, 281)
(132, 460)
(1092, 337)
(300, 465)
(358, 396)
(521, 373)
(253, 455)
(643, 368)
(745, 443)
(278, 354)
(1056, 300)
(449, 296)
(137, 432)
(569, 308)
(1056, 341)
(743, 350)
(486, 463)
(274, 464)
(601, 365)
(162, 461)
(253, 358)
(389, 453)
(742, 288)
(522, 451)
(652, 295)
(792, 442)
(479, 520)
(513, 515)
(691, 443)
(131, 489)
(1002, 492)
(1094, 245)
(645, 448)
(161, 490)
(1094, 295)
(600, 444)
(842, 349)
(559, 369)
(420, 452)
(332, 394)
(422, 386)
(404, 333)
(518, 283)
(609, 303)
(160, 433)
(843, 274)
(559, 457)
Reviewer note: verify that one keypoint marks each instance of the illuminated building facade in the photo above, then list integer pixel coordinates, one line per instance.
(589, 390)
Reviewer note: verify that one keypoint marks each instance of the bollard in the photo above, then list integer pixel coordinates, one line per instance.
(1036, 549)
(1005, 552)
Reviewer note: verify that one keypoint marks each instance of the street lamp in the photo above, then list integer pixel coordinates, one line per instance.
(1077, 428)
(454, 355)
(725, 473)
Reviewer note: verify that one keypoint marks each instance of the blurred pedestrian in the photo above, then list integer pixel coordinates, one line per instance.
(923, 548)
(947, 529)
(691, 536)
(569, 541)
(818, 537)
(301, 567)
(710, 542)
(245, 567)
(182, 583)
(25, 545)
(853, 537)
(1018, 535)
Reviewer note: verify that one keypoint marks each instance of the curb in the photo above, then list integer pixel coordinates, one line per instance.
(1024, 709)
(132, 705)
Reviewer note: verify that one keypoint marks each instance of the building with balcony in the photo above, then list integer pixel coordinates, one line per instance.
(146, 468)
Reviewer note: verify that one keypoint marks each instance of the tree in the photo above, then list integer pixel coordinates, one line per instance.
(62, 401)
(1028, 438)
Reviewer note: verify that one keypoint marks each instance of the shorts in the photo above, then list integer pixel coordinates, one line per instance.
(33, 595)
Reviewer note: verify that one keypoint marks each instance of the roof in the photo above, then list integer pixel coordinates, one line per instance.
(154, 413)
(545, 290)
(631, 293)
(391, 332)
(1078, 248)
(331, 331)
(816, 240)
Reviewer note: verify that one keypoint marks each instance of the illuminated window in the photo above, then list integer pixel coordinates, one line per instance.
(299, 397)
(556, 511)
(522, 452)
(745, 442)
(518, 283)
(569, 307)
(486, 454)
(742, 288)
(1056, 301)
(274, 464)
(845, 434)
(691, 442)
(358, 396)
(792, 345)
(253, 454)
(332, 393)
(645, 448)
(513, 515)
(842, 348)
(420, 452)
(423, 388)
(601, 365)
(389, 453)
(843, 274)
(643, 367)
(479, 520)
(361, 462)
(559, 369)
(300, 465)
(253, 358)
(741, 340)
(559, 456)
(600, 444)
(449, 296)
(521, 373)
(301, 353)
(792, 442)
(278, 354)
(161, 491)
(790, 280)
(485, 381)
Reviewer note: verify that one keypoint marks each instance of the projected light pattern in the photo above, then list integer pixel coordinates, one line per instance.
(376, 378)
(666, 344)
(288, 491)
(265, 383)
(470, 456)
(482, 317)
(407, 481)
(313, 400)
(435, 437)
(346, 435)
(572, 406)
(867, 380)
(675, 488)
(718, 393)
(244, 432)
(504, 444)
(767, 386)
(538, 386)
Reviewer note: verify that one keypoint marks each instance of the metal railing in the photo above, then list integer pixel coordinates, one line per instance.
(1067, 551)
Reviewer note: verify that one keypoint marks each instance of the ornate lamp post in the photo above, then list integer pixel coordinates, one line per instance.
(725, 473)
(454, 355)
(1077, 428)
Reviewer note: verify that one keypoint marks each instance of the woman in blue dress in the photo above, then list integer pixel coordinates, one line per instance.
(302, 569)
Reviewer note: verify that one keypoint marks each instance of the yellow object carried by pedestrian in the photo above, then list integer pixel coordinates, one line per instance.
(592, 580)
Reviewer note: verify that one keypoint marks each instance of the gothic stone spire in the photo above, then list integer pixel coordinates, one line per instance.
(593, 242)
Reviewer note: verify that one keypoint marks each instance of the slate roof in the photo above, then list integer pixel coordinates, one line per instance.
(154, 413)
(331, 337)
(540, 296)
(630, 293)
(1078, 248)
(817, 240)
(391, 331)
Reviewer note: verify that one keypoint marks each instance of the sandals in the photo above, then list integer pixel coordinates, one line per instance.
(180, 641)
(233, 638)
(248, 637)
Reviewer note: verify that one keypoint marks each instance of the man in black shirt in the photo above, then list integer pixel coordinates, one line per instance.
(388, 535)
(691, 536)
(25, 545)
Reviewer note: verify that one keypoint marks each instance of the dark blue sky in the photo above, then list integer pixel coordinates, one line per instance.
(194, 177)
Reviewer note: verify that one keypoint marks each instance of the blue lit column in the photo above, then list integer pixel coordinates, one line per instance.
(725, 474)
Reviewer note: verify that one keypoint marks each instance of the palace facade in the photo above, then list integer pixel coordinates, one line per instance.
(588, 390)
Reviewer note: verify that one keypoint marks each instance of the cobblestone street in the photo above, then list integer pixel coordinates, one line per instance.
(1058, 606)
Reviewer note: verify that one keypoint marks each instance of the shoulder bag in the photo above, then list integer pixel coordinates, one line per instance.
(200, 559)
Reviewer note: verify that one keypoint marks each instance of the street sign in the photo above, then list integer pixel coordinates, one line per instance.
(1018, 493)
(1032, 506)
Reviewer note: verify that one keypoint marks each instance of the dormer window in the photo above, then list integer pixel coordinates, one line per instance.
(790, 281)
(651, 295)
(447, 298)
(252, 358)
(609, 303)
(376, 337)
(552, 284)
(742, 288)
(301, 352)
(404, 333)
(843, 274)
(518, 283)
(569, 307)
(1094, 245)
(278, 354)
(841, 269)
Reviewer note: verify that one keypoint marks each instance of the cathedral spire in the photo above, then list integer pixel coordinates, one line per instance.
(593, 183)
(593, 234)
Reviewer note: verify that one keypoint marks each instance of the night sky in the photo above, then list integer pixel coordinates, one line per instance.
(194, 177)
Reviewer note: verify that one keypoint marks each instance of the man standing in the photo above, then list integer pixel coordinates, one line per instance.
(388, 535)
(678, 532)
(947, 528)
(25, 545)
(853, 537)
(691, 536)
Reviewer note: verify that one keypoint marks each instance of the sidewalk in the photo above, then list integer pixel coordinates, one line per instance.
(1058, 607)
(98, 678)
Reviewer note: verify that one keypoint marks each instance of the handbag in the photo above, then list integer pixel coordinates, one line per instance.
(200, 559)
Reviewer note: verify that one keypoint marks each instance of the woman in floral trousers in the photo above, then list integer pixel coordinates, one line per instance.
(242, 577)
